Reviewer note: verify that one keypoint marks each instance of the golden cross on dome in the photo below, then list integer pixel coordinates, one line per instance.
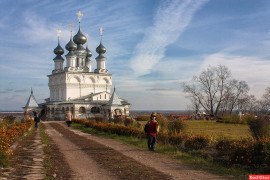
(58, 32)
(70, 26)
(101, 31)
(79, 16)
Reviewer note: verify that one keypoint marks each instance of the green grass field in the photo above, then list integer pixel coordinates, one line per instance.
(218, 130)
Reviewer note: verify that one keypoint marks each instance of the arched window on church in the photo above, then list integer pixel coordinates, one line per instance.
(52, 110)
(105, 96)
(82, 110)
(95, 110)
(118, 112)
(48, 111)
(63, 110)
(67, 109)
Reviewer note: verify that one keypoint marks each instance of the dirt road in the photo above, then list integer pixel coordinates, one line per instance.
(81, 156)
(93, 157)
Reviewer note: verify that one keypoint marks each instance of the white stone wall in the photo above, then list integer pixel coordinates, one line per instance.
(104, 96)
(65, 86)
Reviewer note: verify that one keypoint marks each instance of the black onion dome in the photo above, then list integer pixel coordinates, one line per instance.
(71, 46)
(58, 57)
(79, 38)
(101, 49)
(88, 52)
(58, 50)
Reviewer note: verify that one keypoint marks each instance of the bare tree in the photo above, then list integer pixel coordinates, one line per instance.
(238, 91)
(194, 105)
(215, 90)
(264, 103)
(243, 103)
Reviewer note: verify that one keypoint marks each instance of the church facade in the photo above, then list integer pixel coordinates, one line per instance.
(74, 86)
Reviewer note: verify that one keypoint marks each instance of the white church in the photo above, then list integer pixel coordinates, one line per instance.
(76, 87)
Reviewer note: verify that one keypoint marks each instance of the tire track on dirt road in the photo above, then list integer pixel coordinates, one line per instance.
(79, 162)
(169, 167)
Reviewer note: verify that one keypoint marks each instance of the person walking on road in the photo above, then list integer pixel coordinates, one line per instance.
(69, 118)
(36, 119)
(152, 131)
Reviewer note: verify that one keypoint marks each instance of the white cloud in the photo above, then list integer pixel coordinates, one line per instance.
(39, 30)
(170, 21)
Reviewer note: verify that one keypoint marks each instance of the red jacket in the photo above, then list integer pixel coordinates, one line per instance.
(152, 128)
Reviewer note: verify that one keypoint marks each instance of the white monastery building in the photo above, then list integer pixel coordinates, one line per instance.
(78, 88)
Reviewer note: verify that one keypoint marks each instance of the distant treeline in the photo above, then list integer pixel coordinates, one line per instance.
(164, 113)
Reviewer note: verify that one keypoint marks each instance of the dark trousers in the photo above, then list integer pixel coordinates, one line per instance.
(36, 124)
(68, 123)
(151, 142)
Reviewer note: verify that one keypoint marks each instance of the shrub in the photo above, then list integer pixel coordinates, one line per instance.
(138, 125)
(9, 119)
(267, 151)
(118, 129)
(250, 152)
(163, 138)
(177, 139)
(260, 127)
(99, 119)
(8, 135)
(162, 122)
(128, 121)
(143, 118)
(247, 118)
(173, 139)
(176, 126)
(4, 159)
(223, 147)
(118, 119)
(197, 142)
(232, 119)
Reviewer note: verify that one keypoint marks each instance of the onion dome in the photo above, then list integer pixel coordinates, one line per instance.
(101, 49)
(71, 46)
(58, 50)
(88, 52)
(80, 39)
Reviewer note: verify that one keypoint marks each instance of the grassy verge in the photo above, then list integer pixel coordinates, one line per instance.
(48, 163)
(193, 160)
(54, 162)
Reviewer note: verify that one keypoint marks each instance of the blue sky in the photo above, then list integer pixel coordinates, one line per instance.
(152, 45)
